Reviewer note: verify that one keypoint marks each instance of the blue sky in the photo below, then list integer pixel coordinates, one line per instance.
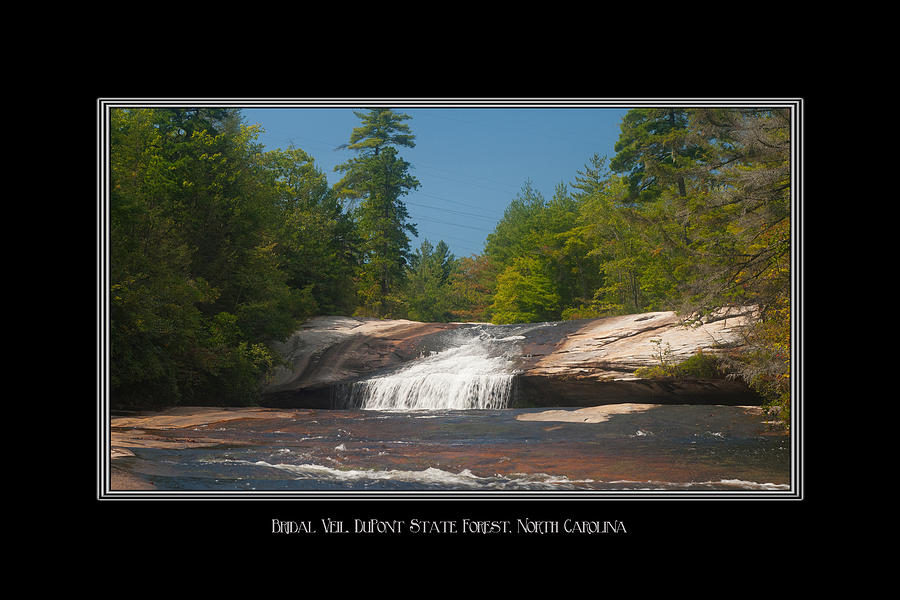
(470, 161)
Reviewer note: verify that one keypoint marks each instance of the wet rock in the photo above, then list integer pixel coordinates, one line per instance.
(328, 352)
(570, 363)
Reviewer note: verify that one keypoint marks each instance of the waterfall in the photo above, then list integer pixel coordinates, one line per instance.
(474, 370)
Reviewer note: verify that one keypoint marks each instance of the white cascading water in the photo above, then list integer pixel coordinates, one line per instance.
(476, 372)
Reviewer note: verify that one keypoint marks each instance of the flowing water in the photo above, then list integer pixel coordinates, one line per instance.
(657, 448)
(474, 371)
(441, 423)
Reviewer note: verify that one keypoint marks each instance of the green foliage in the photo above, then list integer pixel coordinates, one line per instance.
(519, 231)
(692, 214)
(428, 283)
(376, 179)
(665, 363)
(211, 248)
(766, 362)
(525, 294)
(218, 248)
(470, 288)
(538, 263)
(653, 151)
(317, 242)
(701, 365)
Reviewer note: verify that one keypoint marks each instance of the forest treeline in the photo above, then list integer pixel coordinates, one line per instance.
(218, 247)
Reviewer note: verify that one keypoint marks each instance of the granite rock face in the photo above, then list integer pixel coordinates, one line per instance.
(331, 351)
(570, 363)
(595, 364)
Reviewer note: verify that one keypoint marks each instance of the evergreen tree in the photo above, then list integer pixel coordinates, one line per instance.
(744, 215)
(515, 234)
(653, 151)
(535, 229)
(376, 179)
(427, 297)
(745, 218)
(592, 179)
(218, 248)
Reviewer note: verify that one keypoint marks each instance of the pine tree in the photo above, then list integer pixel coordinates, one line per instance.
(374, 182)
(653, 151)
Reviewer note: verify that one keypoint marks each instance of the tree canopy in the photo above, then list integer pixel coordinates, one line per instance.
(219, 248)
(691, 214)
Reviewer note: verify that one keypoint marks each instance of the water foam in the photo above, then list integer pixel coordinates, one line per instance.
(475, 372)
(465, 479)
(430, 476)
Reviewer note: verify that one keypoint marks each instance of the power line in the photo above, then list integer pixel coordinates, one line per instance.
(455, 246)
(456, 212)
(453, 224)
(463, 242)
(448, 200)
(306, 142)
(507, 188)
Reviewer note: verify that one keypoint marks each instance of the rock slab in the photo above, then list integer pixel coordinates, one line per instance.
(569, 363)
(331, 351)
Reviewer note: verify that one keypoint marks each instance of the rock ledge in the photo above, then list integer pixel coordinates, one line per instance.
(569, 363)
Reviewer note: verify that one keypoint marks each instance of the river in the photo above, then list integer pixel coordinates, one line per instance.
(692, 449)
(441, 424)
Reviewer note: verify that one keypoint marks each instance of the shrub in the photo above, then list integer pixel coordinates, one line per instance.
(701, 365)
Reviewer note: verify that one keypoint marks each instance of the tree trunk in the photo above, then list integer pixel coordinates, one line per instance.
(682, 191)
